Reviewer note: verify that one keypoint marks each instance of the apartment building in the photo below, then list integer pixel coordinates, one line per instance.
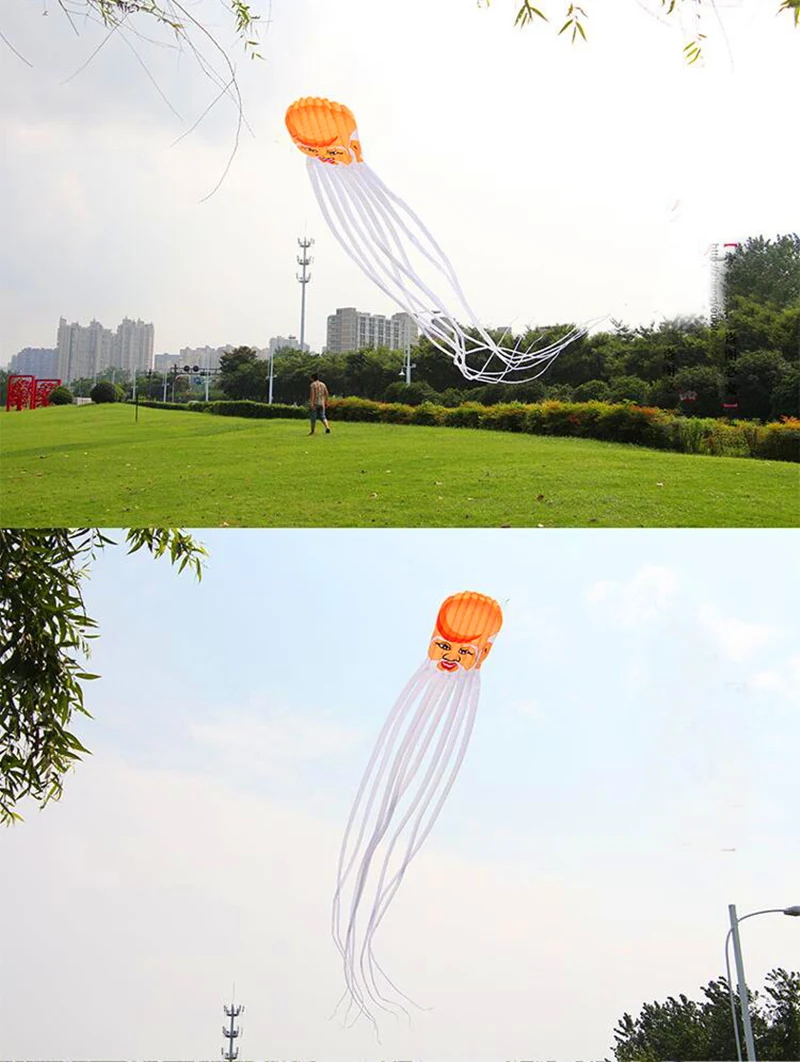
(352, 329)
(41, 362)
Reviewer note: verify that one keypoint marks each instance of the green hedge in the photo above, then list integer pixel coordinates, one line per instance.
(608, 422)
(244, 408)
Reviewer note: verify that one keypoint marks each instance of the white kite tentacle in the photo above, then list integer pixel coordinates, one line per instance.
(355, 943)
(342, 189)
(450, 704)
(415, 843)
(436, 693)
(442, 757)
(385, 741)
(399, 779)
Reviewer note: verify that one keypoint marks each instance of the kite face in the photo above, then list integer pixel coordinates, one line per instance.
(388, 242)
(411, 770)
(465, 628)
(325, 131)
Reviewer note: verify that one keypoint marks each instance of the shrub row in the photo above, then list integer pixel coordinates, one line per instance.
(641, 425)
(243, 408)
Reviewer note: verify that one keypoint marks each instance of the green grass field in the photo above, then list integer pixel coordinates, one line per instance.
(94, 466)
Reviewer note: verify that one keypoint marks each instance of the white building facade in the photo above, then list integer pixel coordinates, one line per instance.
(41, 362)
(351, 329)
(87, 350)
(285, 343)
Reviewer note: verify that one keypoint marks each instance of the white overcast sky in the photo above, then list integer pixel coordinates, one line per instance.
(632, 772)
(564, 182)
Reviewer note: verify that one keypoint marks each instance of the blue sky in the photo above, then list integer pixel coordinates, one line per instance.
(564, 182)
(632, 771)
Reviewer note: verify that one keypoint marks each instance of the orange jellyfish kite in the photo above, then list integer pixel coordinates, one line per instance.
(412, 768)
(387, 240)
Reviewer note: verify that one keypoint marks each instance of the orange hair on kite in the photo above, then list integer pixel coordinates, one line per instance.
(316, 125)
(469, 617)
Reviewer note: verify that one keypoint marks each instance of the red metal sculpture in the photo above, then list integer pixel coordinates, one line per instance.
(21, 392)
(43, 390)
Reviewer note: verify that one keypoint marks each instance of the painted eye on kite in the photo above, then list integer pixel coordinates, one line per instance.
(388, 242)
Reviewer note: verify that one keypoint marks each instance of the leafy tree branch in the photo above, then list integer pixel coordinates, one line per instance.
(45, 633)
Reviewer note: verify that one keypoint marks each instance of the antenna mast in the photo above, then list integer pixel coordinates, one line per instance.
(304, 277)
(231, 1033)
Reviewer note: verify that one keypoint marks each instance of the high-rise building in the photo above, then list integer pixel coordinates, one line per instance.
(86, 350)
(36, 361)
(284, 343)
(204, 357)
(83, 350)
(351, 329)
(133, 345)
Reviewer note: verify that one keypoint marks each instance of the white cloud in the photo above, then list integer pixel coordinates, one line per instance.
(528, 708)
(784, 681)
(735, 639)
(275, 737)
(644, 596)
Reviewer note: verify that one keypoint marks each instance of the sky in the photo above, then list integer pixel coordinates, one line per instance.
(631, 773)
(565, 183)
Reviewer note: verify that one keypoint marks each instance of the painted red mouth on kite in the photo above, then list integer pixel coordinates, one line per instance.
(448, 665)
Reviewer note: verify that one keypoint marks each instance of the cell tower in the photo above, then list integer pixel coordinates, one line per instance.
(304, 277)
(719, 254)
(231, 1033)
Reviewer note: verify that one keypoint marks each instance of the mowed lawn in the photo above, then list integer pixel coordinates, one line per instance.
(95, 466)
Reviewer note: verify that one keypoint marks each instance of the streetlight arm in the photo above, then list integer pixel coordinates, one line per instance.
(772, 910)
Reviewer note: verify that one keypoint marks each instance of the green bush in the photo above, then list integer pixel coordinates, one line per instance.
(258, 410)
(428, 413)
(591, 391)
(628, 389)
(60, 396)
(779, 441)
(505, 416)
(640, 425)
(467, 415)
(355, 409)
(105, 391)
(413, 394)
(396, 413)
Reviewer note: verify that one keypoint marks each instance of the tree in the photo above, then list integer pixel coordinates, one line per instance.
(104, 391)
(684, 1029)
(591, 391)
(759, 325)
(60, 396)
(243, 374)
(413, 394)
(628, 389)
(706, 383)
(574, 17)
(115, 14)
(786, 395)
(44, 632)
(758, 375)
(765, 271)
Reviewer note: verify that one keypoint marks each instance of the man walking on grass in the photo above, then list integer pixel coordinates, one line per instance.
(318, 401)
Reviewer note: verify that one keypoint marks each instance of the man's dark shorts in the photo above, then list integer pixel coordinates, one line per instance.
(317, 411)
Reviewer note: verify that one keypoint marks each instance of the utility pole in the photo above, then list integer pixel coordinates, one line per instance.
(304, 277)
(231, 1033)
(743, 996)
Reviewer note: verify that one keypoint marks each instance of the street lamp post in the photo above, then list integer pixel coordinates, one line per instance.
(733, 933)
